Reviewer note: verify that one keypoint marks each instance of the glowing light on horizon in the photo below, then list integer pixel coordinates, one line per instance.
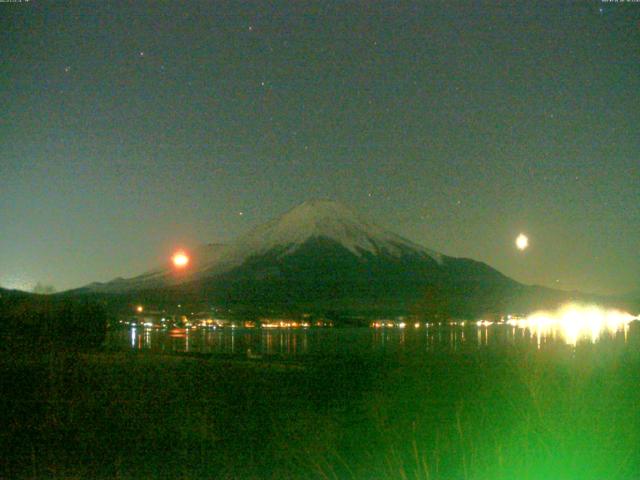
(574, 322)
(522, 242)
(180, 259)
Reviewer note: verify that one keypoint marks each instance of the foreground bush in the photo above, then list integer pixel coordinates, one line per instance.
(39, 323)
(570, 415)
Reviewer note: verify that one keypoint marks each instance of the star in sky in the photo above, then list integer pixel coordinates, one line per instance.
(420, 107)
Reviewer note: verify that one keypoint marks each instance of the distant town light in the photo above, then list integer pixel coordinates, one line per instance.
(575, 321)
(139, 309)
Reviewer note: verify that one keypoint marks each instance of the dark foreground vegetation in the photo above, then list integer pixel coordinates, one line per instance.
(45, 323)
(488, 415)
(70, 408)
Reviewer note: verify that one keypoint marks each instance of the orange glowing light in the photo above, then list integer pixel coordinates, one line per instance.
(180, 259)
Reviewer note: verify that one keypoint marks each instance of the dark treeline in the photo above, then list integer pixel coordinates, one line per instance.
(44, 322)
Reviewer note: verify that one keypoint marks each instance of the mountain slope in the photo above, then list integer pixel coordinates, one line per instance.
(283, 236)
(323, 273)
(323, 256)
(331, 220)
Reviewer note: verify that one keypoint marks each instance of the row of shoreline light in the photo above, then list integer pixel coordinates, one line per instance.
(571, 322)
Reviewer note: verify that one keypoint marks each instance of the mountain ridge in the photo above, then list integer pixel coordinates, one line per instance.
(321, 255)
(311, 219)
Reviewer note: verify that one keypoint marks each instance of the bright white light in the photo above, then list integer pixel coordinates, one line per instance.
(573, 322)
(180, 259)
(484, 323)
(522, 242)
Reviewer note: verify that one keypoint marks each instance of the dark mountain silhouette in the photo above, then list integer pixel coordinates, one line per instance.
(323, 256)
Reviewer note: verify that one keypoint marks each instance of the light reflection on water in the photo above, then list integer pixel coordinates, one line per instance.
(257, 342)
(573, 323)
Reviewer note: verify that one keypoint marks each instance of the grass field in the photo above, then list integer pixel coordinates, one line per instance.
(483, 415)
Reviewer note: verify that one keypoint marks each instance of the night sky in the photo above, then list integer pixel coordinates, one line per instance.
(128, 129)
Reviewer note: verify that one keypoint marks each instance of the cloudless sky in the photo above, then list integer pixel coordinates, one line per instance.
(129, 128)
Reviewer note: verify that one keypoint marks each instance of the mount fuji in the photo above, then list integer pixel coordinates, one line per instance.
(323, 255)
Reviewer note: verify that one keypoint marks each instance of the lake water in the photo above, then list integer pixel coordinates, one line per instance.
(297, 342)
(533, 399)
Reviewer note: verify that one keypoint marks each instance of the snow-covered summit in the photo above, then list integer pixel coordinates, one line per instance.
(313, 219)
(326, 219)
